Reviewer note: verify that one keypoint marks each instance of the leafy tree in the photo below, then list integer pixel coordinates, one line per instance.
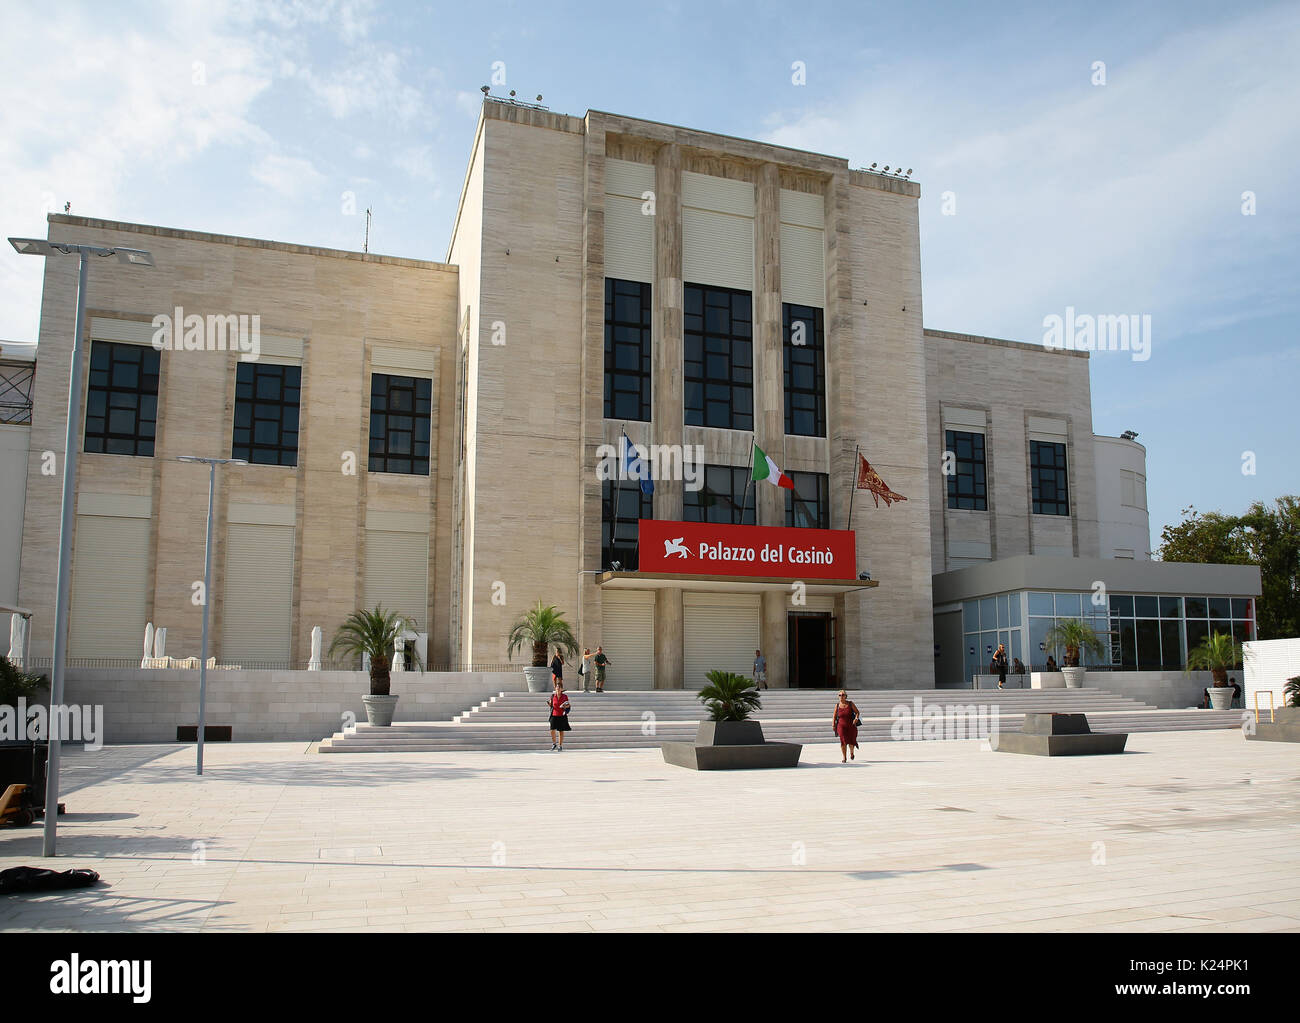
(729, 697)
(1263, 536)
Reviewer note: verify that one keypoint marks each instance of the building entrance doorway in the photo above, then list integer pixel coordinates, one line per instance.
(811, 646)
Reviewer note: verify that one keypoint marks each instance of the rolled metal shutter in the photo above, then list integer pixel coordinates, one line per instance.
(717, 231)
(721, 630)
(629, 232)
(397, 574)
(627, 632)
(257, 610)
(110, 586)
(803, 248)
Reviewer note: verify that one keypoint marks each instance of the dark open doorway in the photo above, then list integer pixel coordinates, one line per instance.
(811, 645)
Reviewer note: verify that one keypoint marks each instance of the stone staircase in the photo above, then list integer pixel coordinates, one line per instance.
(627, 720)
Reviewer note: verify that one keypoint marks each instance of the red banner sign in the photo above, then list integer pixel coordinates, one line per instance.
(707, 548)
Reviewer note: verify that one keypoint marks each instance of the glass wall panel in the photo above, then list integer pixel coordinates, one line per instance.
(1038, 628)
(1148, 644)
(1195, 607)
(1041, 604)
(1127, 644)
(970, 616)
(1004, 616)
(1171, 646)
(1146, 607)
(1067, 605)
(1220, 608)
(1171, 607)
(1241, 607)
(988, 613)
(1196, 632)
(1015, 609)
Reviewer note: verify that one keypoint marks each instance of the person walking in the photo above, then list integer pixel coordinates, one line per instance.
(557, 668)
(760, 670)
(584, 668)
(845, 723)
(602, 662)
(559, 716)
(1000, 665)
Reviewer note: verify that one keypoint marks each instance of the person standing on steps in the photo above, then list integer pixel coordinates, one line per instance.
(760, 670)
(601, 663)
(845, 723)
(584, 668)
(1000, 665)
(559, 716)
(557, 668)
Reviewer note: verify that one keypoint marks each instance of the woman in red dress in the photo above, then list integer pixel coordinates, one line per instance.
(845, 723)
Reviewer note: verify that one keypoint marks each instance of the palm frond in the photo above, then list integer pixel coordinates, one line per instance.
(729, 697)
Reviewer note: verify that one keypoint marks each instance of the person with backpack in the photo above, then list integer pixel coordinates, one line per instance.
(559, 706)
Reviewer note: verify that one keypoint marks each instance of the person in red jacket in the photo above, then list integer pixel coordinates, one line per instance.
(559, 716)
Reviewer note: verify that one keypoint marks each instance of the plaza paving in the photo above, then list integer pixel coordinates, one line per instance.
(1195, 831)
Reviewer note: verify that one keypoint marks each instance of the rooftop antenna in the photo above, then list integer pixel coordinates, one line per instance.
(366, 245)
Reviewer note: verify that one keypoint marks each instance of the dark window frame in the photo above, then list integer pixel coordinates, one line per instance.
(283, 411)
(115, 400)
(388, 424)
(628, 392)
(818, 507)
(718, 492)
(622, 543)
(724, 400)
(803, 402)
(968, 485)
(1049, 478)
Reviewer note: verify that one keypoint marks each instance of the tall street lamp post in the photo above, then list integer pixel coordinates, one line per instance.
(133, 257)
(212, 464)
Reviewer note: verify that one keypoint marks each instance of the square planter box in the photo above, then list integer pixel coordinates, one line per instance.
(731, 746)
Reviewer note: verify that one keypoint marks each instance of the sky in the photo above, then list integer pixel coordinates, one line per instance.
(1106, 158)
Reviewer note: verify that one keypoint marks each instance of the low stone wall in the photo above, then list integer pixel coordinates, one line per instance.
(1167, 690)
(146, 705)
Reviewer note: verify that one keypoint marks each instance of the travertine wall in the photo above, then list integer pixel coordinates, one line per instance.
(269, 706)
(525, 416)
(1009, 382)
(341, 305)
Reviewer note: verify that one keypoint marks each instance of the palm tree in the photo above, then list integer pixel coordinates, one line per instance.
(374, 633)
(729, 697)
(16, 684)
(1292, 691)
(542, 627)
(1217, 653)
(1075, 636)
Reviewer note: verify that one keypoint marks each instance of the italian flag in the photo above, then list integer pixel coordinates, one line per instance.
(766, 469)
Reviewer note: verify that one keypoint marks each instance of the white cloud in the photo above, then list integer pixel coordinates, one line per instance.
(290, 176)
(1115, 199)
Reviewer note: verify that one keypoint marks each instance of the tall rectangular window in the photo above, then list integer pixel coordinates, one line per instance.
(808, 505)
(399, 424)
(718, 362)
(618, 532)
(122, 399)
(266, 413)
(627, 350)
(805, 370)
(723, 497)
(1047, 474)
(967, 485)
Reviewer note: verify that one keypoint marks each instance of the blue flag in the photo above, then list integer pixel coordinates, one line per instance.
(635, 468)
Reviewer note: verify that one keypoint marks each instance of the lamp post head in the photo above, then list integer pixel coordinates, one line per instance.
(45, 247)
